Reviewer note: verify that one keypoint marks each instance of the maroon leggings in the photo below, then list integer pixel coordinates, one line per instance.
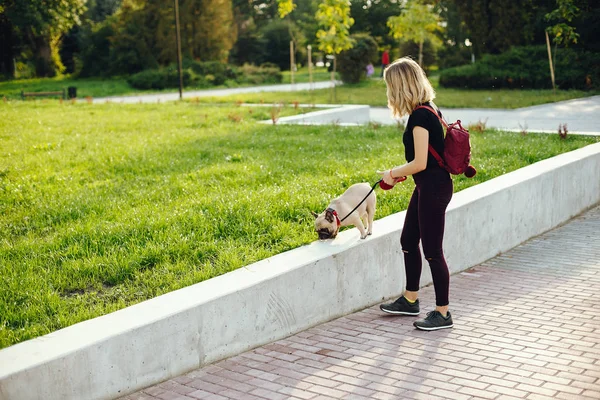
(425, 219)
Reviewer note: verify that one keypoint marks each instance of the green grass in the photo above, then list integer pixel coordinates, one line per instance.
(301, 76)
(372, 92)
(104, 206)
(85, 87)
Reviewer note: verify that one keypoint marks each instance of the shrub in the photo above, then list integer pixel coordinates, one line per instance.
(204, 74)
(258, 75)
(453, 56)
(352, 63)
(160, 79)
(527, 67)
(219, 71)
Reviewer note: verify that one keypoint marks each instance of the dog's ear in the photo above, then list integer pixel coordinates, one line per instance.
(314, 214)
(329, 216)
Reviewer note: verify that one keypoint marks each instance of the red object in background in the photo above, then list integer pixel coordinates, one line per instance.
(385, 58)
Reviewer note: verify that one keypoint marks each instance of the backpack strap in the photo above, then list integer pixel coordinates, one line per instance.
(435, 113)
(434, 153)
(437, 157)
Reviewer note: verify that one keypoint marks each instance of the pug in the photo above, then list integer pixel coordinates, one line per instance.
(328, 223)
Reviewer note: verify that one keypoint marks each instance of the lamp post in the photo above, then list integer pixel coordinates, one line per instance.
(292, 62)
(176, 2)
(469, 44)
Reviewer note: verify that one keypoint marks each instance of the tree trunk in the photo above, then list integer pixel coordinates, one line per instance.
(44, 65)
(7, 63)
(333, 79)
(550, 61)
(421, 53)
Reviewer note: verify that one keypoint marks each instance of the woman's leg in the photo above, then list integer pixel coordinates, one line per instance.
(433, 201)
(410, 247)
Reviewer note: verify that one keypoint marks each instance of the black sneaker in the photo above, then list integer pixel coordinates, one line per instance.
(401, 307)
(434, 321)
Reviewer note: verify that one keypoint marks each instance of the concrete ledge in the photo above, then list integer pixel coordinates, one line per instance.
(350, 114)
(141, 345)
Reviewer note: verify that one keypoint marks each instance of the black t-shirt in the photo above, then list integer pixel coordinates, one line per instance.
(427, 120)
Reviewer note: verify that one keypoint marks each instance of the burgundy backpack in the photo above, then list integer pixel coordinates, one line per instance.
(457, 148)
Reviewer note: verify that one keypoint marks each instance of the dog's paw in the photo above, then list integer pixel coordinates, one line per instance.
(363, 236)
(369, 233)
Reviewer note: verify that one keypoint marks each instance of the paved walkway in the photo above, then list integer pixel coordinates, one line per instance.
(580, 115)
(162, 97)
(527, 326)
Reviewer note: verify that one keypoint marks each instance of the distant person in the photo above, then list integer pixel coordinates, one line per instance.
(385, 61)
(370, 70)
(408, 88)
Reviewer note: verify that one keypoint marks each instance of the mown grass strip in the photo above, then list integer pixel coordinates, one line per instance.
(372, 92)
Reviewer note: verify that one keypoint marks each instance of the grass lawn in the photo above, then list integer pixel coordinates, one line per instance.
(104, 206)
(372, 92)
(85, 87)
(301, 76)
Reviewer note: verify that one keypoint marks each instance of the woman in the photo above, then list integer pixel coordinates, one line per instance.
(408, 88)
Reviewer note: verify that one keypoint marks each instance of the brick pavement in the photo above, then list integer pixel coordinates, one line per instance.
(526, 327)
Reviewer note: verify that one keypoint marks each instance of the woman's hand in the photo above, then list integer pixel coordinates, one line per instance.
(387, 177)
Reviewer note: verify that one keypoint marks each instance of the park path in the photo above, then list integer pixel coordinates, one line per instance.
(526, 327)
(162, 97)
(582, 117)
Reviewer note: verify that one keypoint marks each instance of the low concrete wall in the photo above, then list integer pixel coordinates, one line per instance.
(350, 114)
(160, 338)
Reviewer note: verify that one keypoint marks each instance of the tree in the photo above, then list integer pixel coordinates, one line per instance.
(145, 33)
(7, 47)
(207, 29)
(250, 46)
(285, 7)
(497, 25)
(276, 38)
(416, 23)
(370, 17)
(39, 26)
(88, 43)
(457, 48)
(99, 10)
(563, 33)
(353, 62)
(334, 19)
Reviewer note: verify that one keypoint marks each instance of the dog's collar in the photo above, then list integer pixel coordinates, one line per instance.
(337, 219)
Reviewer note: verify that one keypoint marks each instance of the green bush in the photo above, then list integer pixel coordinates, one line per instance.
(258, 75)
(527, 67)
(219, 71)
(204, 74)
(160, 79)
(352, 63)
(453, 56)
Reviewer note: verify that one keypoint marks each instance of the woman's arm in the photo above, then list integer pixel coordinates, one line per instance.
(421, 139)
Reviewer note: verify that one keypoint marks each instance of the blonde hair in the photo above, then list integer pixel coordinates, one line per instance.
(407, 86)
